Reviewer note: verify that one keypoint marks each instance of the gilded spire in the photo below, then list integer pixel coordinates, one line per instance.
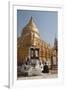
(31, 22)
(31, 25)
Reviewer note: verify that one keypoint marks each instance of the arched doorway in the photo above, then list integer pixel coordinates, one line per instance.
(34, 53)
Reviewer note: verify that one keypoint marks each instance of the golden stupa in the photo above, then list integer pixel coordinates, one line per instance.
(29, 44)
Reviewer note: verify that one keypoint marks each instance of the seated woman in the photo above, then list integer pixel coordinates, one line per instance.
(45, 68)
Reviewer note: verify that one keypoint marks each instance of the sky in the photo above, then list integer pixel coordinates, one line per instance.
(46, 22)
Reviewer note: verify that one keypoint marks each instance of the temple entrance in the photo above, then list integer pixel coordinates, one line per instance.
(34, 53)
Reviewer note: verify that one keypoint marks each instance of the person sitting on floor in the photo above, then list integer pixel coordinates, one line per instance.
(45, 68)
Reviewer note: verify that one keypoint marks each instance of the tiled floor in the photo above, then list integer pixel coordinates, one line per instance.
(43, 76)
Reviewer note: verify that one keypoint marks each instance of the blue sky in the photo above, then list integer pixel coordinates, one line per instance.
(46, 22)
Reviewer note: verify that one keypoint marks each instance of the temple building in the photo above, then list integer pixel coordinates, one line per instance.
(30, 45)
(54, 56)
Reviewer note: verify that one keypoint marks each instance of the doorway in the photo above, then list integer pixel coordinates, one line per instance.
(34, 53)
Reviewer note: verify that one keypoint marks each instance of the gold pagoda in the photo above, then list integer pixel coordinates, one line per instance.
(30, 45)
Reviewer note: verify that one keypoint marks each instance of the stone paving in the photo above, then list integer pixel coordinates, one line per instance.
(43, 76)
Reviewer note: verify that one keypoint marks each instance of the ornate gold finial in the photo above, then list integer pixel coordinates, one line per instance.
(31, 26)
(31, 21)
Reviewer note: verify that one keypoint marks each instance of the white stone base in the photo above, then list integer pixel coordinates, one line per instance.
(34, 71)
